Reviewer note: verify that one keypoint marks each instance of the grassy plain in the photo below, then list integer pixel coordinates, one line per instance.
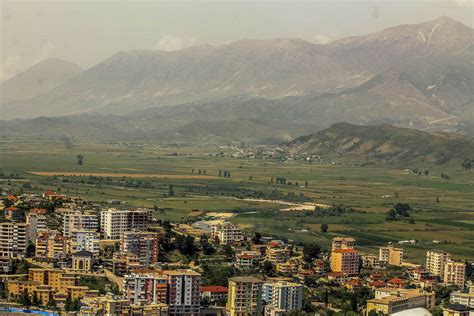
(443, 208)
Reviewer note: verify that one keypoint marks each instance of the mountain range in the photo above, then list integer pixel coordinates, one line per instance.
(418, 76)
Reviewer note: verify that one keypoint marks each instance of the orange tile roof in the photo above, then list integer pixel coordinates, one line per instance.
(397, 281)
(214, 289)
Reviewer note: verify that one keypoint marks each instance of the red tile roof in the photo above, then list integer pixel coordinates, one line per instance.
(377, 284)
(245, 256)
(214, 289)
(397, 281)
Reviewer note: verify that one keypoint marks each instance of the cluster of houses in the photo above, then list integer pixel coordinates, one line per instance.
(78, 239)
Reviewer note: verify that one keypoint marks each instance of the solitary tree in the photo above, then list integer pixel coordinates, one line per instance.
(80, 159)
(324, 228)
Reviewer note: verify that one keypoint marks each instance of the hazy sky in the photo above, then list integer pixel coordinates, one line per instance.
(87, 32)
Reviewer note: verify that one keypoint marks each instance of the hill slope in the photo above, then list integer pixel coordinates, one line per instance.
(384, 143)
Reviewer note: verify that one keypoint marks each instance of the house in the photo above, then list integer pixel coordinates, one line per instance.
(215, 293)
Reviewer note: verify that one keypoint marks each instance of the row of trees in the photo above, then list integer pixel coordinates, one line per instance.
(281, 180)
(200, 171)
(224, 173)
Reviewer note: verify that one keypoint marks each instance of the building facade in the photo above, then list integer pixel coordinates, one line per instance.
(345, 261)
(245, 296)
(145, 288)
(13, 239)
(85, 239)
(184, 297)
(79, 220)
(435, 261)
(388, 301)
(285, 296)
(455, 273)
(391, 255)
(343, 243)
(114, 222)
(36, 220)
(226, 233)
(50, 245)
(145, 245)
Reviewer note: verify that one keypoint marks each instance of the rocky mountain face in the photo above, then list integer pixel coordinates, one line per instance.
(417, 76)
(38, 79)
(384, 143)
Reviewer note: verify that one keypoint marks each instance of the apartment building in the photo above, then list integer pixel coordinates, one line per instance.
(184, 296)
(345, 261)
(391, 255)
(388, 301)
(12, 213)
(285, 296)
(247, 259)
(145, 287)
(278, 255)
(47, 284)
(343, 243)
(435, 261)
(289, 267)
(145, 245)
(50, 245)
(85, 239)
(371, 261)
(454, 273)
(245, 296)
(226, 233)
(79, 220)
(13, 239)
(114, 222)
(36, 220)
(104, 305)
(465, 299)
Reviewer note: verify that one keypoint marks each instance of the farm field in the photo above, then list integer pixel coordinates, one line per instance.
(183, 183)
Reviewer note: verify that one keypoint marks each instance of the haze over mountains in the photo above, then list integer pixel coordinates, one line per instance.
(417, 76)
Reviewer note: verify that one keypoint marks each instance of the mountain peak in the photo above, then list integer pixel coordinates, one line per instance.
(37, 79)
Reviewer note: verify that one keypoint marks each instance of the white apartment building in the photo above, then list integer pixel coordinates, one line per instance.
(226, 233)
(435, 261)
(78, 220)
(466, 299)
(455, 273)
(36, 223)
(114, 222)
(284, 296)
(147, 288)
(13, 239)
(85, 239)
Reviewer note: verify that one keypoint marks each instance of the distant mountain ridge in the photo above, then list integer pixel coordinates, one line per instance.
(39, 78)
(384, 143)
(418, 76)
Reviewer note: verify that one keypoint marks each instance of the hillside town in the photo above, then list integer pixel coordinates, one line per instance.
(67, 256)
